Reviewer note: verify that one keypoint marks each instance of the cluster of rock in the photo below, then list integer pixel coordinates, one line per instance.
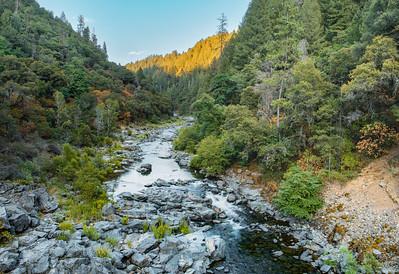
(41, 250)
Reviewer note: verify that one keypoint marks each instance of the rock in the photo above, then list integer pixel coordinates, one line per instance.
(58, 252)
(216, 247)
(108, 209)
(185, 263)
(3, 218)
(377, 253)
(47, 204)
(141, 260)
(42, 265)
(146, 243)
(231, 198)
(8, 261)
(277, 253)
(145, 169)
(306, 257)
(325, 268)
(18, 218)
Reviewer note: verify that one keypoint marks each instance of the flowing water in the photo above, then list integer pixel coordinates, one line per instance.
(247, 251)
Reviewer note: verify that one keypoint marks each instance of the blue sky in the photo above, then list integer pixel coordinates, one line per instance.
(134, 29)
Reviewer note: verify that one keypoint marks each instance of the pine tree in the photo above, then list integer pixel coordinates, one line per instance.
(86, 33)
(63, 17)
(105, 49)
(81, 24)
(94, 37)
(222, 31)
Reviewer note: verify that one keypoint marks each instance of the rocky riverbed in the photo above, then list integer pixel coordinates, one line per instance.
(232, 229)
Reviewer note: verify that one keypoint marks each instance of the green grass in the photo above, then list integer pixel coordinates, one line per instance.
(64, 236)
(161, 229)
(112, 241)
(91, 233)
(146, 227)
(102, 252)
(125, 220)
(184, 228)
(67, 226)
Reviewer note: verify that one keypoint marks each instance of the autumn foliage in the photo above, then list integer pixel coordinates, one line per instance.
(375, 138)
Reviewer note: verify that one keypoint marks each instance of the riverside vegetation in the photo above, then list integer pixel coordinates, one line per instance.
(305, 91)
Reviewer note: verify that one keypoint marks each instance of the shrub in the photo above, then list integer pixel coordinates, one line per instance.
(146, 227)
(187, 139)
(371, 264)
(375, 138)
(184, 227)
(125, 220)
(351, 266)
(66, 226)
(350, 161)
(64, 236)
(211, 156)
(91, 232)
(299, 193)
(112, 241)
(102, 252)
(275, 157)
(161, 229)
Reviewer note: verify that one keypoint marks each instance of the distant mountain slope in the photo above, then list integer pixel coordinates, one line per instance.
(201, 55)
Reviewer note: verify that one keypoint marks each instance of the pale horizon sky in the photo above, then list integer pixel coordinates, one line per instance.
(134, 29)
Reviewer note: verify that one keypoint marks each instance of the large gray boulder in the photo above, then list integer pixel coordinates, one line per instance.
(216, 247)
(8, 261)
(18, 218)
(46, 203)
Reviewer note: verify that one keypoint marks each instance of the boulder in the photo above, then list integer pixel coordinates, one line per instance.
(231, 198)
(18, 218)
(47, 204)
(108, 209)
(8, 261)
(141, 260)
(145, 169)
(216, 247)
(3, 218)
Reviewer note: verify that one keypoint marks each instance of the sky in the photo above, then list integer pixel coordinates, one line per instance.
(134, 29)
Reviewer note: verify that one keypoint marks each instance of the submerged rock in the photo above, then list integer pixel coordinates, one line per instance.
(145, 169)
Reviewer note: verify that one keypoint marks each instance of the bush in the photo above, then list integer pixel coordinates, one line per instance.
(64, 236)
(211, 156)
(91, 232)
(125, 220)
(146, 227)
(112, 241)
(102, 252)
(299, 193)
(371, 264)
(187, 139)
(275, 157)
(66, 226)
(375, 138)
(161, 229)
(184, 228)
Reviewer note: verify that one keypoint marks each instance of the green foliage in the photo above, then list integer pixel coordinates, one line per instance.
(184, 227)
(299, 193)
(351, 266)
(103, 252)
(187, 139)
(161, 229)
(371, 264)
(112, 241)
(66, 226)
(91, 232)
(64, 236)
(146, 227)
(211, 156)
(84, 171)
(125, 220)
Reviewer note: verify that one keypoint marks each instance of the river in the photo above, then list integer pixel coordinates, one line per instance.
(248, 250)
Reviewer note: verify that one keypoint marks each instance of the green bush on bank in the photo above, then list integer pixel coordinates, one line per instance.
(299, 193)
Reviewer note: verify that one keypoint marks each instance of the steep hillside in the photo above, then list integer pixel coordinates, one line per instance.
(202, 55)
(56, 85)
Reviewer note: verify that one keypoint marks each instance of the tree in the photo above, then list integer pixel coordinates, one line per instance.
(105, 49)
(86, 33)
(63, 18)
(81, 24)
(222, 30)
(299, 193)
(94, 38)
(60, 105)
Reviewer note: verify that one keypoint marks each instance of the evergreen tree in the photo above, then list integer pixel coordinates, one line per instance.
(222, 31)
(105, 49)
(63, 18)
(81, 25)
(86, 33)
